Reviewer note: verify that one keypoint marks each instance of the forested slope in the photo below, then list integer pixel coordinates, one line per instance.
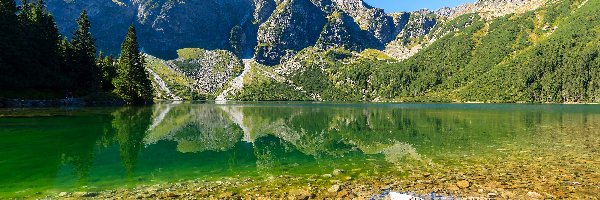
(546, 55)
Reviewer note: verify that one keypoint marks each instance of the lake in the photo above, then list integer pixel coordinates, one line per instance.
(505, 151)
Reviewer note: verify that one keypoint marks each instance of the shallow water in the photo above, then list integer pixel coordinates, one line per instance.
(549, 149)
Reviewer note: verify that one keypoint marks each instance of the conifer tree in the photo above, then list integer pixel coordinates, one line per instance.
(132, 83)
(108, 72)
(41, 58)
(87, 74)
(8, 38)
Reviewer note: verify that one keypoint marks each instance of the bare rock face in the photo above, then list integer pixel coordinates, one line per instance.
(106, 17)
(210, 70)
(342, 32)
(492, 8)
(374, 20)
(417, 33)
(418, 24)
(163, 25)
(296, 25)
(263, 10)
(269, 30)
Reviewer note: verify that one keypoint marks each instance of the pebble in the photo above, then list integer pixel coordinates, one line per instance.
(334, 188)
(338, 172)
(301, 194)
(534, 195)
(463, 184)
(327, 175)
(85, 194)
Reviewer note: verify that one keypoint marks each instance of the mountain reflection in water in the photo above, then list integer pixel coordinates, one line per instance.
(112, 147)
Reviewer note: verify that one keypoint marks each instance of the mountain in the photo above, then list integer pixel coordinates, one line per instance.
(346, 50)
(548, 54)
(269, 30)
(163, 25)
(195, 74)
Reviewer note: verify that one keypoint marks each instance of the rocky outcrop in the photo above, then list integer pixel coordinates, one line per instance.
(269, 30)
(416, 34)
(110, 20)
(342, 32)
(163, 25)
(263, 10)
(196, 74)
(374, 20)
(492, 8)
(408, 41)
(295, 25)
(210, 70)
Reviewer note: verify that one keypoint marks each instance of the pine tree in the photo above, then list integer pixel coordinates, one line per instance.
(84, 58)
(107, 71)
(132, 82)
(41, 59)
(8, 45)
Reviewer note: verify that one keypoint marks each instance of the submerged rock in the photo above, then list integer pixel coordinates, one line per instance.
(334, 188)
(338, 172)
(534, 195)
(463, 184)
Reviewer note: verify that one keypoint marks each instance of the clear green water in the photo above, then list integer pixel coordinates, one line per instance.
(46, 151)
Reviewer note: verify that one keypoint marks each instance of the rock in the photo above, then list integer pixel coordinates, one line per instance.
(463, 184)
(338, 172)
(492, 195)
(62, 194)
(327, 175)
(399, 196)
(453, 188)
(342, 194)
(334, 189)
(534, 195)
(225, 195)
(85, 194)
(301, 194)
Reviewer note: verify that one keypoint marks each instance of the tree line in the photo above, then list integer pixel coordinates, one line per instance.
(36, 61)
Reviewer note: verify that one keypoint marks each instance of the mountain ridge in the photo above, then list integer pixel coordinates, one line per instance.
(334, 50)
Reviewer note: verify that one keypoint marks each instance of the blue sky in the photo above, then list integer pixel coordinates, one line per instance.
(412, 5)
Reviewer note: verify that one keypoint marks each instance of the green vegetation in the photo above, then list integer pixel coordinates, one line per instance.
(546, 55)
(36, 62)
(177, 82)
(562, 67)
(260, 87)
(81, 56)
(132, 82)
(31, 57)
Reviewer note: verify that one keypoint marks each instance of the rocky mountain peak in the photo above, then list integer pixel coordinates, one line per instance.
(492, 8)
(269, 29)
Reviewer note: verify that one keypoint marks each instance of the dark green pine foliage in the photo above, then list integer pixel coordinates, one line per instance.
(41, 60)
(8, 36)
(132, 82)
(108, 71)
(83, 62)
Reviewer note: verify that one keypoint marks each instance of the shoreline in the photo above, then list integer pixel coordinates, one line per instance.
(82, 102)
(290, 187)
(56, 103)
